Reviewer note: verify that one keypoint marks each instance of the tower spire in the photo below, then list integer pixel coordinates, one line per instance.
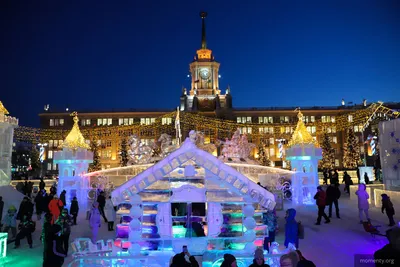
(203, 15)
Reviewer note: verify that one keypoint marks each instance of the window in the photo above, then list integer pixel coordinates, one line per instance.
(85, 122)
(51, 122)
(104, 122)
(272, 152)
(166, 121)
(271, 141)
(336, 162)
(284, 119)
(55, 143)
(51, 143)
(120, 121)
(334, 139)
(50, 154)
(243, 119)
(362, 149)
(265, 120)
(61, 122)
(333, 119)
(288, 129)
(328, 119)
(350, 118)
(130, 121)
(87, 141)
(333, 129)
(356, 129)
(147, 121)
(60, 142)
(49, 166)
(55, 167)
(109, 121)
(312, 118)
(311, 129)
(245, 130)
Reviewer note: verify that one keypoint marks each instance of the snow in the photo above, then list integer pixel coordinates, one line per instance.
(328, 245)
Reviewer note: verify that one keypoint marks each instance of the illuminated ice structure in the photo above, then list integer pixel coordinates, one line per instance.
(73, 161)
(303, 154)
(154, 207)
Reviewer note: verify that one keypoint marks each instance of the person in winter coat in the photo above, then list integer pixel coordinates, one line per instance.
(94, 221)
(65, 221)
(289, 260)
(326, 176)
(10, 221)
(271, 221)
(74, 209)
(26, 227)
(332, 197)
(363, 205)
(229, 261)
(320, 198)
(25, 208)
(388, 206)
(347, 182)
(291, 228)
(389, 255)
(40, 202)
(55, 206)
(62, 199)
(46, 235)
(42, 184)
(110, 213)
(303, 262)
(101, 199)
(184, 259)
(259, 259)
(55, 254)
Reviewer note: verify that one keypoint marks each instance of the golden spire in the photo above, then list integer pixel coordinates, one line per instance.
(301, 136)
(75, 139)
(3, 109)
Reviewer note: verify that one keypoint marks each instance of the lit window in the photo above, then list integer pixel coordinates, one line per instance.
(271, 130)
(61, 122)
(51, 143)
(55, 143)
(333, 119)
(271, 141)
(109, 121)
(261, 119)
(99, 122)
(328, 129)
(334, 139)
(287, 130)
(147, 121)
(142, 121)
(356, 128)
(166, 121)
(55, 122)
(248, 119)
(261, 130)
(60, 142)
(239, 119)
(120, 121)
(313, 129)
(362, 149)
(130, 121)
(50, 154)
(270, 120)
(55, 167)
(350, 118)
(272, 151)
(336, 162)
(323, 119)
(51, 122)
(87, 141)
(49, 166)
(126, 121)
(312, 118)
(152, 120)
(282, 129)
(87, 122)
(333, 129)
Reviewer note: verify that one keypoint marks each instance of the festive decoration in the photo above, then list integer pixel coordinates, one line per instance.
(371, 141)
(123, 153)
(35, 160)
(351, 156)
(75, 139)
(328, 153)
(166, 146)
(263, 158)
(197, 138)
(95, 166)
(301, 136)
(139, 152)
(238, 147)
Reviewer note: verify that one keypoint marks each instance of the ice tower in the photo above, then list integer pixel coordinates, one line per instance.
(303, 154)
(7, 125)
(73, 161)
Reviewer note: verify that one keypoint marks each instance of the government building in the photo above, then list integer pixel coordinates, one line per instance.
(208, 108)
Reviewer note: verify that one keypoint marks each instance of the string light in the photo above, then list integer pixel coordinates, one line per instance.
(75, 139)
(301, 136)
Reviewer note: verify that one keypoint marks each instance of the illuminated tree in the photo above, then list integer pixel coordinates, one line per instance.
(328, 153)
(351, 155)
(35, 160)
(123, 153)
(95, 166)
(263, 154)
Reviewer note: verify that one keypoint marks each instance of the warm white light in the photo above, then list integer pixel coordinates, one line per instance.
(219, 76)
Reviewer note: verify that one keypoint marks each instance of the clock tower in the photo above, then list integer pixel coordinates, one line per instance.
(204, 94)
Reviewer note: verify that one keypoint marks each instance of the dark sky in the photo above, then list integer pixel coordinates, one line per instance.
(135, 54)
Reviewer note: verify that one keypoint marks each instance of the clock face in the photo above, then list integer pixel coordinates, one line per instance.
(204, 73)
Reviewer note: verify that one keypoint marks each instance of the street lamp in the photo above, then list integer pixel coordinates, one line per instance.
(41, 155)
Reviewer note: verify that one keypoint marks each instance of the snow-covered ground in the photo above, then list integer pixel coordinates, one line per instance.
(329, 245)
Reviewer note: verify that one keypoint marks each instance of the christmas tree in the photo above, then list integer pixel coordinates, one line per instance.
(351, 156)
(263, 154)
(35, 161)
(95, 166)
(123, 153)
(328, 153)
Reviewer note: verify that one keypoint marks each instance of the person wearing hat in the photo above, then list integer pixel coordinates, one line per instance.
(259, 259)
(388, 206)
(54, 254)
(10, 221)
(229, 261)
(320, 198)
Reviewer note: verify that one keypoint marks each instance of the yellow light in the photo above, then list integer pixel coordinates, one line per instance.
(75, 139)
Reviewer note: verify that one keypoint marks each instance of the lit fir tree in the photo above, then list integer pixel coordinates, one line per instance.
(35, 161)
(328, 153)
(351, 155)
(123, 153)
(263, 154)
(95, 166)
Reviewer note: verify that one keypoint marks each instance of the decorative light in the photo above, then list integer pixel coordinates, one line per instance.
(75, 139)
(301, 136)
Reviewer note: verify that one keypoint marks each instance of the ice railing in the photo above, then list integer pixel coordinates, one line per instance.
(8, 119)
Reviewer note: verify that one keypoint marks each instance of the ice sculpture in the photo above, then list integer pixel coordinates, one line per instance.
(166, 145)
(236, 148)
(389, 147)
(139, 152)
(197, 138)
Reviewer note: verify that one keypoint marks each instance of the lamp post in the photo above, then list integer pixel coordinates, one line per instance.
(41, 156)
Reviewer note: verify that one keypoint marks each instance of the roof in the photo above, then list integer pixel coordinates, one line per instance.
(75, 139)
(235, 180)
(3, 109)
(301, 136)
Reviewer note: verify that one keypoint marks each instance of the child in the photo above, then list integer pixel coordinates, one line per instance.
(270, 220)
(388, 206)
(363, 205)
(74, 209)
(26, 227)
(10, 221)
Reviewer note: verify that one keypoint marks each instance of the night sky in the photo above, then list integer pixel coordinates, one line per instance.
(126, 54)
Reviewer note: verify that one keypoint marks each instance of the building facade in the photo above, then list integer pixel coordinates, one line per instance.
(204, 100)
